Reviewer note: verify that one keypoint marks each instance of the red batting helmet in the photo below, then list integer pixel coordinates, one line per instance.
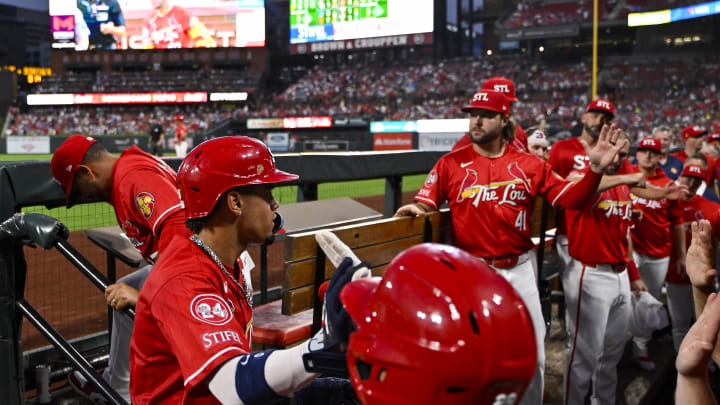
(440, 327)
(179, 117)
(217, 165)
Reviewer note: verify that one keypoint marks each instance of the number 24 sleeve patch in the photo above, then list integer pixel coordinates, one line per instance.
(211, 309)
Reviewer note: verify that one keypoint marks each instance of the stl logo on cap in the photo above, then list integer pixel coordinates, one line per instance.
(210, 308)
(146, 203)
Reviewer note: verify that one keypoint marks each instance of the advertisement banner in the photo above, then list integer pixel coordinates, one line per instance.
(117, 98)
(393, 126)
(28, 144)
(307, 122)
(392, 141)
(325, 146)
(277, 141)
(438, 141)
(264, 123)
(363, 43)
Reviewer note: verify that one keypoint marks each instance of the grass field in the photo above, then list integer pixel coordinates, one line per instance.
(89, 216)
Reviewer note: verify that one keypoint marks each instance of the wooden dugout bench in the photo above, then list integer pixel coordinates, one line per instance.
(293, 318)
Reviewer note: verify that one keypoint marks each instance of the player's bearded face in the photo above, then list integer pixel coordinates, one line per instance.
(486, 125)
(613, 167)
(593, 122)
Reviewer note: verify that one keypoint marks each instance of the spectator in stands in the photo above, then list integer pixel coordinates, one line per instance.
(671, 165)
(105, 20)
(156, 137)
(142, 189)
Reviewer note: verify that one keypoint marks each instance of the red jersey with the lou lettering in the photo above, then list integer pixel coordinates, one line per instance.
(569, 158)
(695, 209)
(491, 199)
(146, 201)
(651, 235)
(170, 30)
(189, 320)
(598, 233)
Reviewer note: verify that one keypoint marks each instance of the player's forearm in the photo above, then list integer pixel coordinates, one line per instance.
(694, 391)
(610, 181)
(650, 192)
(261, 377)
(579, 193)
(700, 298)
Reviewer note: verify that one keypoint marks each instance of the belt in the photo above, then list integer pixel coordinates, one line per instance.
(506, 262)
(616, 267)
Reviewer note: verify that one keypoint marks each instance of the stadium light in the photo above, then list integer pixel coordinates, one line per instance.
(541, 49)
(489, 52)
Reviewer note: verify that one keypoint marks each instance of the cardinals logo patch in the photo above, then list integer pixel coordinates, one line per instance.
(517, 172)
(146, 204)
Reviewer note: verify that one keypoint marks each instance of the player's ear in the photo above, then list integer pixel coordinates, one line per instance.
(84, 173)
(235, 202)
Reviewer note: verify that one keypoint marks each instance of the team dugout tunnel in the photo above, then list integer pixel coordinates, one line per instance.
(52, 314)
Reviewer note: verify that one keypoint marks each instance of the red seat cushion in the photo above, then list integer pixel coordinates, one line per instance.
(271, 327)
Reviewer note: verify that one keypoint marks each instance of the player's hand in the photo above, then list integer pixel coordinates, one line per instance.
(638, 286)
(697, 346)
(675, 191)
(107, 28)
(338, 321)
(121, 296)
(698, 262)
(34, 228)
(606, 148)
(409, 210)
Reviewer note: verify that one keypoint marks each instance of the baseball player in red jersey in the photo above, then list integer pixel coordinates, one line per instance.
(180, 136)
(170, 26)
(142, 190)
(490, 189)
(658, 229)
(694, 208)
(193, 322)
(693, 138)
(597, 291)
(507, 87)
(569, 159)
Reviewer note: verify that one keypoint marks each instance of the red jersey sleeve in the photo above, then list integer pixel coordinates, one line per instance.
(200, 327)
(154, 200)
(173, 225)
(434, 190)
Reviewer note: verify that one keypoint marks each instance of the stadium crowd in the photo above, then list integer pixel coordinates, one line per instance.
(551, 92)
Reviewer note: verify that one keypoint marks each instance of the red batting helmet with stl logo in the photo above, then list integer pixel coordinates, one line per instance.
(441, 327)
(217, 165)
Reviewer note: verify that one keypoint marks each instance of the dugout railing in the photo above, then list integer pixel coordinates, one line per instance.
(27, 184)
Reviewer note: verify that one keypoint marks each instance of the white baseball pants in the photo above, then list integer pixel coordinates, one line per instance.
(117, 373)
(652, 272)
(599, 307)
(523, 278)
